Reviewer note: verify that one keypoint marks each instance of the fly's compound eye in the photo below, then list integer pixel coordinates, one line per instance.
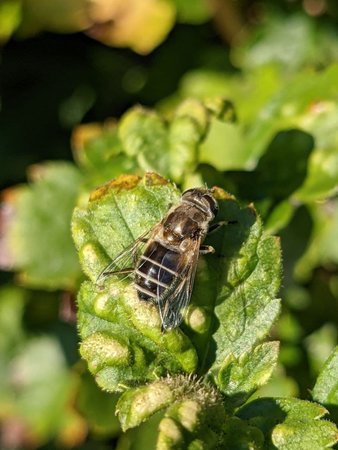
(188, 192)
(213, 205)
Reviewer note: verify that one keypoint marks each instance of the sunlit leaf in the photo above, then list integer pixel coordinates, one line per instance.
(140, 25)
(322, 248)
(245, 282)
(122, 338)
(38, 239)
(192, 11)
(325, 390)
(290, 424)
(289, 43)
(99, 152)
(170, 148)
(239, 378)
(10, 16)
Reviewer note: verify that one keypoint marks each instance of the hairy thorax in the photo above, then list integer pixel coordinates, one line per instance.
(183, 224)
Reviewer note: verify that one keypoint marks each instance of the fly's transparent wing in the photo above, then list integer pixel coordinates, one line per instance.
(125, 261)
(175, 299)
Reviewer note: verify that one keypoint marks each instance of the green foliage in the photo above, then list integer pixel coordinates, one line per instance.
(259, 121)
(123, 343)
(308, 43)
(122, 339)
(290, 423)
(325, 390)
(32, 390)
(98, 407)
(38, 241)
(244, 280)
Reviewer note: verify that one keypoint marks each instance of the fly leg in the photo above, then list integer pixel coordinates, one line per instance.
(118, 272)
(216, 226)
(108, 273)
(205, 249)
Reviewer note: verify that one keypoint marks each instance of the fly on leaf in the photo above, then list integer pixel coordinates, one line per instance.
(165, 259)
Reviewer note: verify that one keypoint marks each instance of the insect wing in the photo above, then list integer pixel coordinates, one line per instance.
(124, 262)
(174, 301)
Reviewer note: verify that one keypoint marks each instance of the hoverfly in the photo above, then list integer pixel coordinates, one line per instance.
(164, 270)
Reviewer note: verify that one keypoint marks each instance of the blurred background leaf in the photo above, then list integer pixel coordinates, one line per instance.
(37, 241)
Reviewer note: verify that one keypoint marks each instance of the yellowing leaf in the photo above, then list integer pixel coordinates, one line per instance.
(138, 24)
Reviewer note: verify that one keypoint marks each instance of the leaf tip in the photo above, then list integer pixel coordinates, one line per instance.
(221, 194)
(154, 179)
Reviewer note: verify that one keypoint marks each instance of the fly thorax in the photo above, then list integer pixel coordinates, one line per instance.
(185, 245)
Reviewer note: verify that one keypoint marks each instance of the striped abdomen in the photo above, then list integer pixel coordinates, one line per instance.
(156, 270)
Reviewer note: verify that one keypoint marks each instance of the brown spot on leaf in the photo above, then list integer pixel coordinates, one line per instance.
(154, 179)
(221, 194)
(123, 182)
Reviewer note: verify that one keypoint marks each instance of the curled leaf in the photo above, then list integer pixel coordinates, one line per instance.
(192, 411)
(232, 303)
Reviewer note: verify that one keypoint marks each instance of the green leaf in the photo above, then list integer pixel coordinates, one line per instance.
(271, 43)
(239, 378)
(313, 44)
(293, 105)
(242, 286)
(266, 105)
(192, 11)
(223, 147)
(10, 16)
(37, 240)
(168, 148)
(279, 385)
(322, 176)
(187, 129)
(319, 345)
(142, 436)
(322, 248)
(143, 135)
(121, 336)
(43, 387)
(143, 141)
(97, 407)
(279, 217)
(12, 301)
(322, 179)
(138, 404)
(272, 178)
(122, 341)
(325, 390)
(290, 424)
(99, 152)
(239, 435)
